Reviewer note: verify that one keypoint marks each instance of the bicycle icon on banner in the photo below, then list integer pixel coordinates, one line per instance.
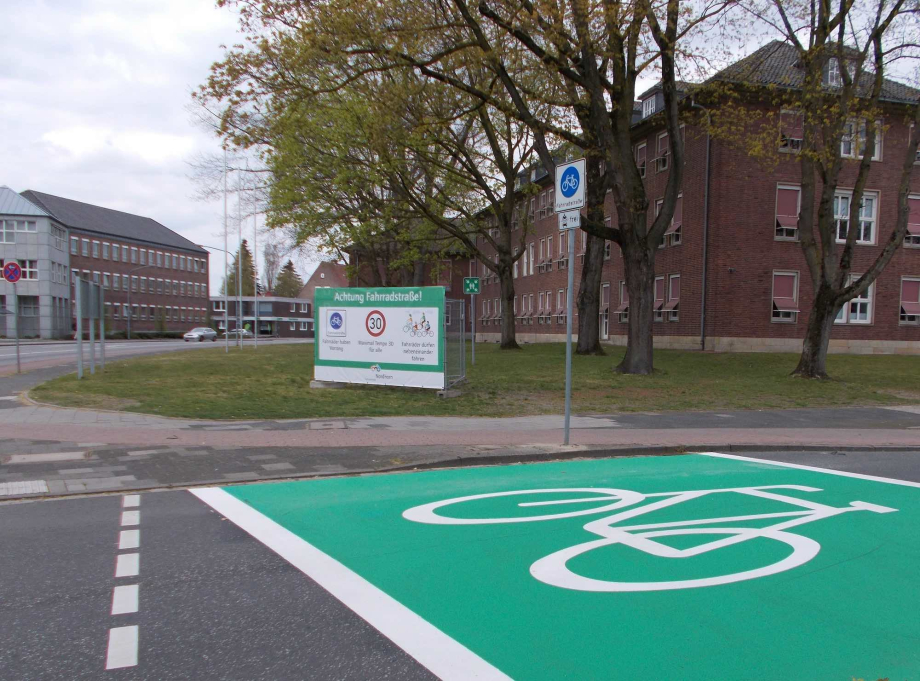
(553, 569)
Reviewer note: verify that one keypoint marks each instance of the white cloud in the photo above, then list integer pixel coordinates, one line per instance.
(93, 97)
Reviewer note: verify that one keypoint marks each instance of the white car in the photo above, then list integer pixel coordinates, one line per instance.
(200, 334)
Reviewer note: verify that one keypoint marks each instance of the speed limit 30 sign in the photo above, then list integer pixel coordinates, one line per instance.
(376, 323)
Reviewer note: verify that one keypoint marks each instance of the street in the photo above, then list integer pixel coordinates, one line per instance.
(238, 582)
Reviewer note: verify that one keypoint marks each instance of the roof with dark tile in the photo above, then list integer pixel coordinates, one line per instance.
(777, 64)
(105, 221)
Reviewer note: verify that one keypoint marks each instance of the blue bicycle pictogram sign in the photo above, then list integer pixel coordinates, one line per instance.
(335, 321)
(570, 181)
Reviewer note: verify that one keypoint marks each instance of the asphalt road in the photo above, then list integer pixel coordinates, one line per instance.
(211, 602)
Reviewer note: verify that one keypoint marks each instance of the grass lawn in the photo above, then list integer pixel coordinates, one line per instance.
(273, 383)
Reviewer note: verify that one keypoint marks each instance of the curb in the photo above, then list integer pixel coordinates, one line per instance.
(558, 453)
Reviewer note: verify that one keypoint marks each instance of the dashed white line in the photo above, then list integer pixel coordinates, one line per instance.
(122, 650)
(129, 539)
(131, 501)
(129, 518)
(124, 599)
(127, 565)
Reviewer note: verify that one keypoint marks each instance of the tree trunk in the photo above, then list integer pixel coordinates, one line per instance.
(813, 362)
(589, 299)
(639, 263)
(509, 342)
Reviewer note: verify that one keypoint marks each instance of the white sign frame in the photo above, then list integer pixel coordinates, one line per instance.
(565, 172)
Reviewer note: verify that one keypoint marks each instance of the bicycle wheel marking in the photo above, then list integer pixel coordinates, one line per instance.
(553, 569)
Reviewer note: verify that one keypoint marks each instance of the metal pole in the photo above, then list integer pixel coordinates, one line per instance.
(92, 331)
(129, 306)
(16, 322)
(255, 270)
(239, 264)
(568, 336)
(79, 305)
(226, 273)
(102, 326)
(473, 315)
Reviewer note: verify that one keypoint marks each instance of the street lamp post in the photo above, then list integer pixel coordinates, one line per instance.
(226, 298)
(130, 286)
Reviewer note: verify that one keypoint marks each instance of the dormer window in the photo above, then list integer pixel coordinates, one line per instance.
(648, 106)
(832, 73)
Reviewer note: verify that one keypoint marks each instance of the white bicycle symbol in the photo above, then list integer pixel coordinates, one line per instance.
(553, 569)
(569, 182)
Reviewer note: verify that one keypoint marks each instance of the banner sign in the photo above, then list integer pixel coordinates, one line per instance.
(380, 336)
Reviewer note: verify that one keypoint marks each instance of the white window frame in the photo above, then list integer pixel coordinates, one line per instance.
(673, 315)
(781, 316)
(648, 106)
(659, 313)
(643, 169)
(907, 320)
(776, 226)
(872, 194)
(662, 160)
(867, 299)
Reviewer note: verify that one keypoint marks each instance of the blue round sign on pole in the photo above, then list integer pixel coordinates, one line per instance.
(570, 182)
(12, 272)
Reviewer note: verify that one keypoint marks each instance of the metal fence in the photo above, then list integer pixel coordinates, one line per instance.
(454, 342)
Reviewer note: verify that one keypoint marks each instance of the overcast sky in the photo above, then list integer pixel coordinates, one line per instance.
(93, 105)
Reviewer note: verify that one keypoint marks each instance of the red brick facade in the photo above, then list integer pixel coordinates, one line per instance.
(169, 292)
(743, 255)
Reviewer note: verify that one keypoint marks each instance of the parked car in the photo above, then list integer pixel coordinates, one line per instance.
(200, 334)
(245, 333)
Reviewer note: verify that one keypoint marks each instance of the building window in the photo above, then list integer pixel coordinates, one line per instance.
(858, 310)
(175, 261)
(785, 296)
(124, 282)
(106, 249)
(182, 262)
(788, 198)
(133, 255)
(29, 269)
(659, 299)
(648, 106)
(791, 130)
(116, 282)
(106, 281)
(96, 278)
(159, 259)
(832, 75)
(124, 254)
(912, 238)
(641, 154)
(305, 307)
(175, 288)
(115, 252)
(623, 309)
(143, 255)
(143, 284)
(673, 233)
(865, 232)
(84, 251)
(664, 152)
(910, 301)
(159, 286)
(74, 244)
(134, 283)
(218, 306)
(673, 305)
(853, 140)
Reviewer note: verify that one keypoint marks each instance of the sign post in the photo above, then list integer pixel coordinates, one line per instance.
(381, 336)
(78, 300)
(102, 327)
(570, 198)
(471, 285)
(12, 272)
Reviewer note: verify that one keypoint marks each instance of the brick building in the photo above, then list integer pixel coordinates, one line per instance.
(149, 272)
(326, 274)
(744, 253)
(278, 317)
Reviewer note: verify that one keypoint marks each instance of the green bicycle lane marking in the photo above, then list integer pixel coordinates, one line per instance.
(850, 611)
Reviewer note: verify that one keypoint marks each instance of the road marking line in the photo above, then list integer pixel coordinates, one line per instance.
(122, 650)
(51, 457)
(846, 474)
(130, 518)
(124, 599)
(129, 539)
(23, 487)
(435, 650)
(127, 565)
(131, 501)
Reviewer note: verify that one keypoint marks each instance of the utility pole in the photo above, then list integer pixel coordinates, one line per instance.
(226, 271)
(239, 262)
(255, 265)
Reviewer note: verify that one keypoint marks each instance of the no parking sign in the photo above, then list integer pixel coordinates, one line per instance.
(12, 272)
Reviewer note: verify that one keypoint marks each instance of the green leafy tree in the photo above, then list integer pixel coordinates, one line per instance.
(288, 283)
(249, 274)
